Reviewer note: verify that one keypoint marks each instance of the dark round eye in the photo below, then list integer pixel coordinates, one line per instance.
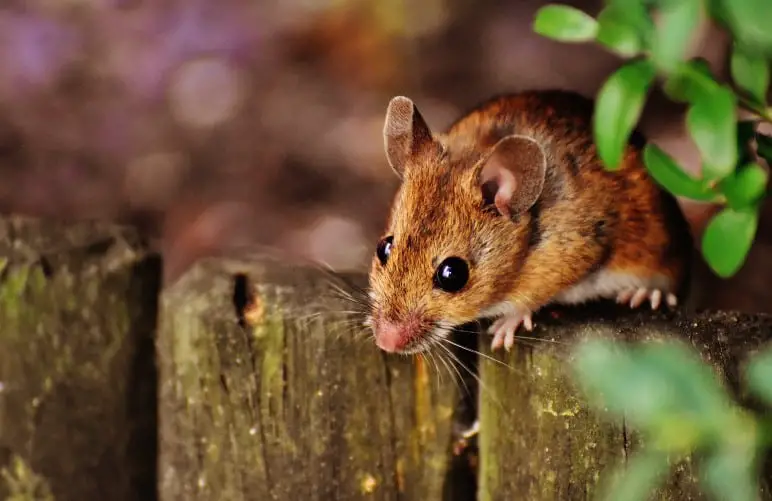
(452, 274)
(384, 249)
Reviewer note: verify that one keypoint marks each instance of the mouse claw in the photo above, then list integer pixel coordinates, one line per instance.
(655, 298)
(504, 328)
(640, 295)
(636, 297)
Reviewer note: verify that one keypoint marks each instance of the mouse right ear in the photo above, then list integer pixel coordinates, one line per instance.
(405, 133)
(512, 177)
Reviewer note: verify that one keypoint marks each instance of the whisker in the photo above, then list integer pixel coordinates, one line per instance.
(449, 363)
(345, 295)
(429, 357)
(476, 352)
(477, 378)
(517, 336)
(448, 368)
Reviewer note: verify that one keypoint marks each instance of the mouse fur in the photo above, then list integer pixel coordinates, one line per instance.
(581, 233)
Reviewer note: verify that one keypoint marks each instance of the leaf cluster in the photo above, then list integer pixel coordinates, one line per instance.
(675, 401)
(663, 389)
(734, 154)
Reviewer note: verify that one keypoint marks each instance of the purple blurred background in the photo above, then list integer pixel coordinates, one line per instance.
(225, 125)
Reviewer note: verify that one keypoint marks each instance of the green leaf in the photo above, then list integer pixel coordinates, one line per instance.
(749, 22)
(717, 12)
(695, 385)
(603, 355)
(758, 374)
(635, 480)
(744, 187)
(673, 178)
(676, 24)
(712, 125)
(691, 81)
(730, 474)
(663, 388)
(764, 147)
(618, 107)
(750, 71)
(728, 238)
(565, 23)
(630, 391)
(624, 29)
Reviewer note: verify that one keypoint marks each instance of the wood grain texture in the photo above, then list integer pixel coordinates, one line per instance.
(290, 404)
(77, 375)
(540, 441)
(267, 390)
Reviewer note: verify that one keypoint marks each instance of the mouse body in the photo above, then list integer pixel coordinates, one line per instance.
(509, 210)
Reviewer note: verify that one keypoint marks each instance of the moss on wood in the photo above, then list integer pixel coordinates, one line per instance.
(77, 386)
(290, 403)
(540, 441)
(269, 390)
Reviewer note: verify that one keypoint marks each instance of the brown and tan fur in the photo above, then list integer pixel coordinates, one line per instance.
(591, 232)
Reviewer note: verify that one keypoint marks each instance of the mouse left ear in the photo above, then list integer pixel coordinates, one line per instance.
(405, 133)
(512, 177)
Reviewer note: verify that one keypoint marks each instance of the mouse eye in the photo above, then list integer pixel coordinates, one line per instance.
(452, 274)
(384, 249)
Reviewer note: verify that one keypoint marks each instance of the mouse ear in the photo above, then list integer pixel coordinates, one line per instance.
(405, 133)
(512, 177)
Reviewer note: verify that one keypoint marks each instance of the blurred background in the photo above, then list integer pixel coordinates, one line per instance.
(218, 126)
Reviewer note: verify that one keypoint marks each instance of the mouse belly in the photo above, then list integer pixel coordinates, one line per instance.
(621, 286)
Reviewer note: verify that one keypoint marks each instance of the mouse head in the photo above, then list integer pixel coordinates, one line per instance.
(457, 233)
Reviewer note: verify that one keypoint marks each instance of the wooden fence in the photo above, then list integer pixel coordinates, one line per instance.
(246, 380)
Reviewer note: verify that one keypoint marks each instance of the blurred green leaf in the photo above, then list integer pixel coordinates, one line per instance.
(729, 474)
(625, 29)
(631, 392)
(565, 23)
(618, 107)
(673, 178)
(748, 21)
(690, 81)
(712, 124)
(677, 22)
(745, 186)
(758, 374)
(750, 71)
(663, 388)
(764, 147)
(635, 480)
(728, 238)
(592, 355)
(701, 406)
(716, 11)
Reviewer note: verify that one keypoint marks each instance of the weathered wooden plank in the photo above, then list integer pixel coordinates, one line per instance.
(77, 376)
(291, 405)
(539, 440)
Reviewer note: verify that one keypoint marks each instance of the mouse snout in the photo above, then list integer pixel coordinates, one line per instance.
(395, 336)
(391, 336)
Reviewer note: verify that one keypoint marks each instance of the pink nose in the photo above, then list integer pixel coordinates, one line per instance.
(391, 336)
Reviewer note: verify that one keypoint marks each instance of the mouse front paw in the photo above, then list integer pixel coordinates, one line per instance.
(504, 328)
(636, 297)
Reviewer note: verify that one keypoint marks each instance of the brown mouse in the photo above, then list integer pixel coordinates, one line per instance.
(509, 210)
